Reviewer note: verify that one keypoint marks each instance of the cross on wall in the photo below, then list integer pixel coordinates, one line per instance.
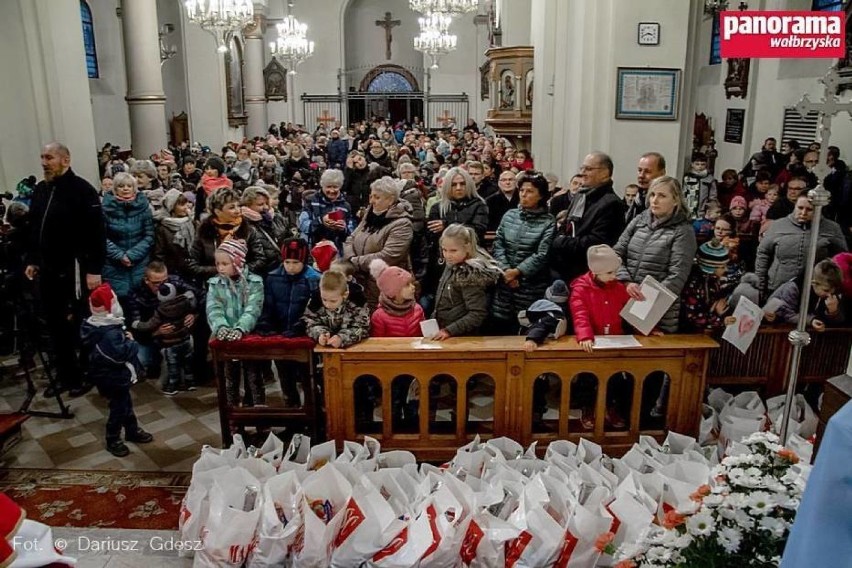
(325, 118)
(445, 119)
(388, 24)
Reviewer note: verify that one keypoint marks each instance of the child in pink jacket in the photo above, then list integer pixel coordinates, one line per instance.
(398, 314)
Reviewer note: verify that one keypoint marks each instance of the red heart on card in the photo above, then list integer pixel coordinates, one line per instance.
(746, 324)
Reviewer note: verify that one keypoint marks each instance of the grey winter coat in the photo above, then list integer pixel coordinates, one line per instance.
(461, 302)
(665, 252)
(783, 251)
(523, 242)
(387, 237)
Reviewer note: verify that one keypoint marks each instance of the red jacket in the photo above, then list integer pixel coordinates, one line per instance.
(383, 324)
(595, 307)
(844, 261)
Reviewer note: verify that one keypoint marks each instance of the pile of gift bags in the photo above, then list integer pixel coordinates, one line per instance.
(494, 504)
(727, 418)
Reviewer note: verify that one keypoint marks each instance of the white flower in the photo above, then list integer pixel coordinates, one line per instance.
(776, 527)
(658, 554)
(713, 500)
(761, 503)
(701, 524)
(729, 538)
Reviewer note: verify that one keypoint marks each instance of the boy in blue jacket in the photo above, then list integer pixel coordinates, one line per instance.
(287, 291)
(113, 367)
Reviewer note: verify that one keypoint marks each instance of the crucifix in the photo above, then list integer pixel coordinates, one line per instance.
(388, 23)
(819, 198)
(445, 119)
(325, 118)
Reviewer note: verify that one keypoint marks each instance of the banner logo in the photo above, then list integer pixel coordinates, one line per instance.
(782, 34)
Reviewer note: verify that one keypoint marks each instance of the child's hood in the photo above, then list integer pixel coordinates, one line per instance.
(478, 272)
(93, 330)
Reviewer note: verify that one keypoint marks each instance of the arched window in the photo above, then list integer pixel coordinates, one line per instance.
(89, 40)
(390, 82)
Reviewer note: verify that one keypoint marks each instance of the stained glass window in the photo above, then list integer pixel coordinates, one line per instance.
(827, 5)
(389, 82)
(89, 40)
(715, 48)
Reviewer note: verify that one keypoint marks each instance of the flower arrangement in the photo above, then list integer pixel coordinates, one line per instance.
(742, 519)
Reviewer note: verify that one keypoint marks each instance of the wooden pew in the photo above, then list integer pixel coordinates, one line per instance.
(466, 364)
(256, 348)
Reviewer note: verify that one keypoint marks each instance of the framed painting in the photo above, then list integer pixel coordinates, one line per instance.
(647, 93)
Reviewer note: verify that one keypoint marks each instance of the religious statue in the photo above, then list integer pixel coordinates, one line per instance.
(507, 90)
(529, 83)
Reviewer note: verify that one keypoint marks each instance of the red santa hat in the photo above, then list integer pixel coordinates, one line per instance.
(324, 253)
(103, 301)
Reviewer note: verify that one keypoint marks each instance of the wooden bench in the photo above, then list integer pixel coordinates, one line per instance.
(764, 366)
(477, 367)
(256, 348)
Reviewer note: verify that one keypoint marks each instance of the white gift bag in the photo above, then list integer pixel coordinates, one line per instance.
(718, 398)
(538, 542)
(231, 527)
(368, 524)
(803, 419)
(272, 450)
(325, 494)
(484, 544)
(577, 546)
(279, 521)
(196, 505)
(708, 428)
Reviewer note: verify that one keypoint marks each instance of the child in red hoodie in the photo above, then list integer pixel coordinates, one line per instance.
(597, 298)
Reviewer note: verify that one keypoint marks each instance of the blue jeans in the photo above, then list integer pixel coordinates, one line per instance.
(149, 356)
(178, 359)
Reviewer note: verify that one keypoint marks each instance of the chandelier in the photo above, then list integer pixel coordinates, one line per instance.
(448, 7)
(434, 39)
(713, 7)
(222, 18)
(292, 45)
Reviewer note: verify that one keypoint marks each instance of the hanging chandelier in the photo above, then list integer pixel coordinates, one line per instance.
(448, 7)
(222, 18)
(292, 45)
(434, 39)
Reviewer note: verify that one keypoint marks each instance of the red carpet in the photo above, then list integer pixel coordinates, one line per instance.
(122, 500)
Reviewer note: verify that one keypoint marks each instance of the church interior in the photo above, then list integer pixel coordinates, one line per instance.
(588, 271)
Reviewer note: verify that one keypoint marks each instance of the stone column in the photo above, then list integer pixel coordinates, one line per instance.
(255, 92)
(145, 98)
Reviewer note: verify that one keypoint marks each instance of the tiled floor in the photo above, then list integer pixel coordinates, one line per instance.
(181, 426)
(151, 549)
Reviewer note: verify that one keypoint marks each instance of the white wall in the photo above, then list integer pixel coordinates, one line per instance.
(515, 21)
(173, 70)
(579, 46)
(365, 44)
(46, 93)
(774, 84)
(112, 120)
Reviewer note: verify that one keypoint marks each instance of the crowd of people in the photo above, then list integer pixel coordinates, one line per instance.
(344, 234)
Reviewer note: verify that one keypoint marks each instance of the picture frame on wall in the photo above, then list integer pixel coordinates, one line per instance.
(647, 93)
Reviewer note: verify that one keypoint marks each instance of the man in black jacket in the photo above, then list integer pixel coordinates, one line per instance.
(67, 251)
(595, 217)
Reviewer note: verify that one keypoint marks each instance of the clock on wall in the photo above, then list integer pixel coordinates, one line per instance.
(649, 33)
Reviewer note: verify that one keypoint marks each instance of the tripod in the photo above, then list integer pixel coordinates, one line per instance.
(29, 331)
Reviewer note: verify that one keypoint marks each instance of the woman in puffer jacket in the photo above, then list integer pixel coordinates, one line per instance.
(521, 248)
(783, 252)
(129, 234)
(659, 243)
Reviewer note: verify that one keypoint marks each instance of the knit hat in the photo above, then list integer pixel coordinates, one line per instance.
(295, 249)
(324, 253)
(390, 279)
(738, 201)
(230, 155)
(170, 199)
(103, 300)
(712, 255)
(557, 292)
(602, 259)
(237, 250)
(166, 292)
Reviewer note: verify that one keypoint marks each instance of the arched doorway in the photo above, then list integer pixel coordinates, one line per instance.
(387, 91)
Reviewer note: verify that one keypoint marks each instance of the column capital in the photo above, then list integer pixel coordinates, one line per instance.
(256, 28)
